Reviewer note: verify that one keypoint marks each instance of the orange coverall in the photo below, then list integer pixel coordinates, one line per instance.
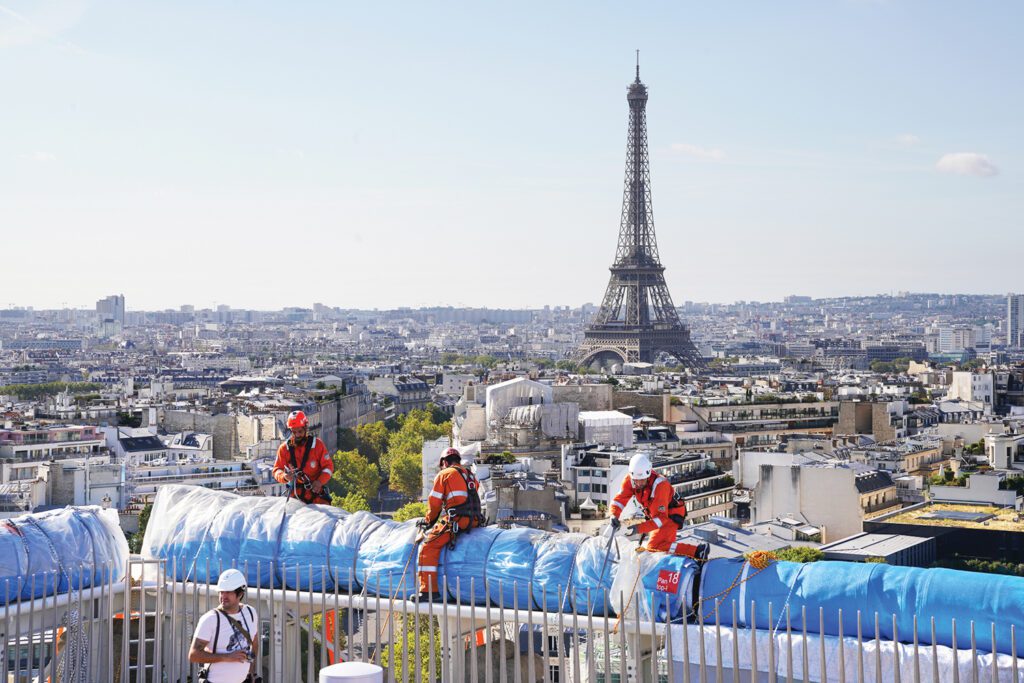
(449, 491)
(318, 467)
(656, 500)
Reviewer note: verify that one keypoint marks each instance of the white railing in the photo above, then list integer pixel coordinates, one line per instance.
(81, 637)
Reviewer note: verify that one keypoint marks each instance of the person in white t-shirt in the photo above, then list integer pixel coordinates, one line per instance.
(226, 640)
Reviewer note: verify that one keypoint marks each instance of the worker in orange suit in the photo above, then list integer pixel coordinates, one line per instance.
(453, 507)
(664, 513)
(303, 463)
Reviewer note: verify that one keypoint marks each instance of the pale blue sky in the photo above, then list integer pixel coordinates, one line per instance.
(388, 154)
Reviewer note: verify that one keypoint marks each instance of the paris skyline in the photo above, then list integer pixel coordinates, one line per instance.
(193, 155)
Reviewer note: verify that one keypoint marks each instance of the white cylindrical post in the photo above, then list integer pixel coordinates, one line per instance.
(352, 672)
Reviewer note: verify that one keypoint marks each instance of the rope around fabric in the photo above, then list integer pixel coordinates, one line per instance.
(758, 560)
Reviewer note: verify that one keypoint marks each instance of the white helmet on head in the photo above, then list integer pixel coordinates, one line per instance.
(231, 580)
(639, 466)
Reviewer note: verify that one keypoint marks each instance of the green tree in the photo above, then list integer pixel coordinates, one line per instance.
(875, 560)
(29, 392)
(347, 440)
(410, 511)
(135, 541)
(400, 658)
(406, 475)
(372, 440)
(353, 502)
(800, 554)
(412, 430)
(354, 473)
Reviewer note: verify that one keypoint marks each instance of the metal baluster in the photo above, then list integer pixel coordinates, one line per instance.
(622, 640)
(823, 673)
(6, 627)
(545, 650)
(323, 618)
(272, 641)
(974, 655)
(789, 648)
(772, 678)
(878, 651)
(654, 638)
(591, 673)
(310, 640)
(31, 622)
(860, 650)
(805, 662)
(896, 650)
(460, 654)
(735, 639)
(935, 655)
(431, 662)
(917, 654)
(639, 635)
(842, 650)
(956, 650)
(502, 673)
(350, 633)
(446, 664)
(607, 636)
(474, 670)
(560, 641)
(516, 673)
(391, 631)
(995, 655)
(1013, 651)
(576, 642)
(718, 646)
(668, 640)
(488, 666)
(753, 640)
(53, 631)
(686, 647)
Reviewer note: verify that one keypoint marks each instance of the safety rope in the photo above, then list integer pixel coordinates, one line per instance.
(758, 560)
(401, 580)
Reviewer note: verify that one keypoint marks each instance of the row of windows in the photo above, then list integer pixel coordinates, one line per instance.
(592, 488)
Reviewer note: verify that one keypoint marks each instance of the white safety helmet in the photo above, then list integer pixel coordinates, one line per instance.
(639, 466)
(231, 580)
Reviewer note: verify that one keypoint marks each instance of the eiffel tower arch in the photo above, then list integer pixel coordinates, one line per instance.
(637, 319)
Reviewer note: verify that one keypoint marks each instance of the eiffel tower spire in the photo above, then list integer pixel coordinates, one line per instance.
(637, 319)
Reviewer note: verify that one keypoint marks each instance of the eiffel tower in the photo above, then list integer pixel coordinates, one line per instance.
(637, 319)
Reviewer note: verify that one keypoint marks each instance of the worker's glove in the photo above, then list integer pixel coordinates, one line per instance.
(616, 523)
(423, 525)
(630, 532)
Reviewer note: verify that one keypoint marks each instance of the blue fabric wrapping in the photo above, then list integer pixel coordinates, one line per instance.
(668, 585)
(464, 567)
(258, 521)
(944, 594)
(553, 570)
(592, 575)
(391, 560)
(58, 551)
(346, 540)
(510, 566)
(305, 535)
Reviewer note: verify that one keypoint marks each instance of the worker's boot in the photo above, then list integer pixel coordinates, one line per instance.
(427, 596)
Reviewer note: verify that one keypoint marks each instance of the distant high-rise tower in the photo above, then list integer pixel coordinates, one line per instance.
(111, 309)
(637, 319)
(1015, 320)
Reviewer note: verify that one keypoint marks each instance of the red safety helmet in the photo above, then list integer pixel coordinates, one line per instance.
(297, 419)
(443, 462)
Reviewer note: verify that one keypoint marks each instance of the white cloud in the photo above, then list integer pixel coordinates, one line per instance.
(967, 163)
(907, 140)
(710, 154)
(39, 157)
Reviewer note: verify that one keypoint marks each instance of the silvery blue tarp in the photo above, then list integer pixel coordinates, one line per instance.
(868, 589)
(60, 550)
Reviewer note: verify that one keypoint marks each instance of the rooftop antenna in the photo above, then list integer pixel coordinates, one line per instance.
(638, 65)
